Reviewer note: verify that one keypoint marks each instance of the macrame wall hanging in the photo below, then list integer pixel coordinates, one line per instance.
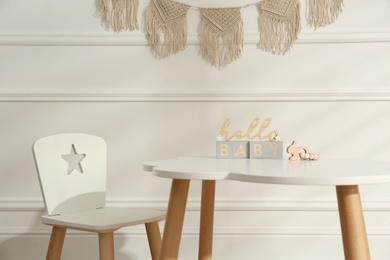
(221, 31)
(120, 15)
(221, 35)
(323, 12)
(166, 27)
(279, 25)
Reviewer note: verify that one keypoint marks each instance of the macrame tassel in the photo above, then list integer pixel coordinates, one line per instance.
(166, 27)
(221, 40)
(124, 15)
(323, 12)
(131, 15)
(279, 25)
(118, 13)
(105, 11)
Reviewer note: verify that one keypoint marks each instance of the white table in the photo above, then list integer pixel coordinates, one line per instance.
(345, 175)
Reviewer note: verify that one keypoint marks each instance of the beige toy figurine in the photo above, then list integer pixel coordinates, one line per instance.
(300, 153)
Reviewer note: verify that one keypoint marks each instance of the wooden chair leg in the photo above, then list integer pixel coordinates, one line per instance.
(56, 242)
(106, 246)
(154, 238)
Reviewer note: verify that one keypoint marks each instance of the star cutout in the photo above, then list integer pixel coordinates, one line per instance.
(220, 138)
(74, 160)
(278, 138)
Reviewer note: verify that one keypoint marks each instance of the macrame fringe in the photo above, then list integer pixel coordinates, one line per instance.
(278, 33)
(105, 12)
(120, 15)
(221, 47)
(131, 15)
(165, 37)
(323, 12)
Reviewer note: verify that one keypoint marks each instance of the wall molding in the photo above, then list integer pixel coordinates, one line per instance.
(304, 206)
(220, 205)
(138, 38)
(226, 231)
(194, 95)
(194, 231)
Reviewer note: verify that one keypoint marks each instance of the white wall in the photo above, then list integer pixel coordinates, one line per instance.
(61, 71)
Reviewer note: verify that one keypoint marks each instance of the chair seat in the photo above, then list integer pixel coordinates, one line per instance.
(105, 219)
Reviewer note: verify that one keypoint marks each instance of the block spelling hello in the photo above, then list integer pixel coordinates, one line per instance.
(240, 149)
(266, 150)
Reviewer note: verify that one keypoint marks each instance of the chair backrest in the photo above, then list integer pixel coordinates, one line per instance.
(72, 172)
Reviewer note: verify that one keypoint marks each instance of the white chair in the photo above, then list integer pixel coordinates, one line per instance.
(72, 174)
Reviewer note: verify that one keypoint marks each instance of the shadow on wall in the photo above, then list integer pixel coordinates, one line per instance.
(33, 244)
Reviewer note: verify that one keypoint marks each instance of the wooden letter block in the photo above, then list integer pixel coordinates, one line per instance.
(250, 149)
(266, 149)
(233, 150)
(240, 150)
(224, 150)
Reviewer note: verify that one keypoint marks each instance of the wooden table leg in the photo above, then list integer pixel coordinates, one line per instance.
(174, 220)
(352, 223)
(207, 220)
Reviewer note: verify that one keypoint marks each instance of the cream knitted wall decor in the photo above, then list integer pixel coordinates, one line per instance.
(120, 15)
(279, 25)
(323, 12)
(166, 27)
(221, 33)
(221, 36)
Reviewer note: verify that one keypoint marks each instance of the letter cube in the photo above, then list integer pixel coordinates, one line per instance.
(224, 150)
(266, 149)
(232, 150)
(240, 150)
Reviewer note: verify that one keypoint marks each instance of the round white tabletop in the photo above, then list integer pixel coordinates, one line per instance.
(274, 171)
